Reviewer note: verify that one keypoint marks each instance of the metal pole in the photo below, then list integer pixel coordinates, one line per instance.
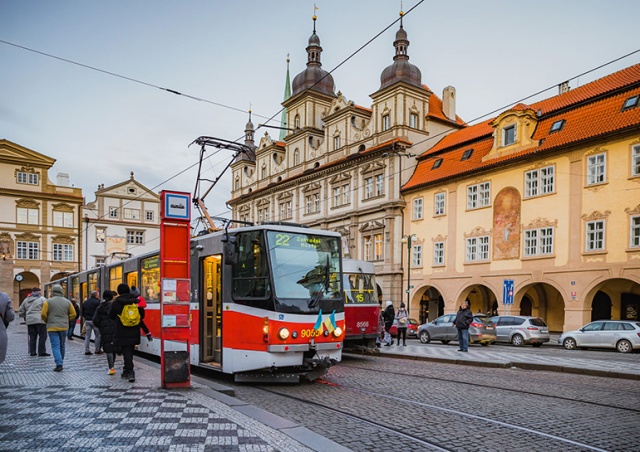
(408, 274)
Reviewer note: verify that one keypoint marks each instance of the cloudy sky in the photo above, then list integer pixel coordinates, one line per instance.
(231, 54)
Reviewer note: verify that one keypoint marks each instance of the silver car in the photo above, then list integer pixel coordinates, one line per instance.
(623, 335)
(442, 329)
(520, 330)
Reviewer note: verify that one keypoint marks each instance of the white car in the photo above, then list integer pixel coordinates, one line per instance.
(623, 335)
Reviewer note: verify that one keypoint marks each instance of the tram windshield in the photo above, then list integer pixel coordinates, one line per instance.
(360, 288)
(306, 272)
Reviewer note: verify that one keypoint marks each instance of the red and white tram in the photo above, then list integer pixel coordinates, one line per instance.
(267, 302)
(362, 305)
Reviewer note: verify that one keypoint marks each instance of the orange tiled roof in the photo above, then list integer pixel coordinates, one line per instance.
(435, 109)
(590, 111)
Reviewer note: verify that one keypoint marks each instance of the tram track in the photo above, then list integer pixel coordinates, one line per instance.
(500, 388)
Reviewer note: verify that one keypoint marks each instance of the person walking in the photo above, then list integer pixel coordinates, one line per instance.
(6, 316)
(142, 304)
(72, 323)
(464, 317)
(31, 310)
(107, 328)
(88, 311)
(126, 337)
(57, 312)
(402, 316)
(389, 315)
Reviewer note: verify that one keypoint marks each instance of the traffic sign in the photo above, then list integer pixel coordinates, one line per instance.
(507, 291)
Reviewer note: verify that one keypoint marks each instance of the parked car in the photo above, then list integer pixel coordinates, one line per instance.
(442, 329)
(412, 328)
(623, 335)
(520, 330)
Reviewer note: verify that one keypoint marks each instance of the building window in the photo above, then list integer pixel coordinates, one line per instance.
(417, 209)
(538, 242)
(631, 102)
(438, 253)
(416, 255)
(437, 164)
(478, 195)
(595, 235)
(27, 178)
(296, 122)
(379, 249)
(63, 219)
(99, 261)
(509, 135)
(135, 237)
(312, 203)
(346, 194)
(131, 214)
(296, 157)
(368, 187)
(62, 252)
(635, 160)
(413, 121)
(477, 249)
(596, 169)
(263, 215)
(557, 126)
(28, 250)
(635, 232)
(285, 210)
(336, 143)
(539, 182)
(466, 155)
(113, 212)
(101, 235)
(386, 123)
(148, 215)
(263, 172)
(439, 204)
(341, 195)
(368, 248)
(379, 185)
(27, 216)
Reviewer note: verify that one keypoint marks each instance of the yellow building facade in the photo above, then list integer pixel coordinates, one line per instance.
(545, 195)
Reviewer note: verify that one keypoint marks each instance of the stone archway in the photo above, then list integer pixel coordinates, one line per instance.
(431, 305)
(526, 306)
(23, 283)
(481, 299)
(601, 307)
(541, 300)
(616, 299)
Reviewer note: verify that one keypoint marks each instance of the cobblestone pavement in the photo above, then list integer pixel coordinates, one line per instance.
(83, 408)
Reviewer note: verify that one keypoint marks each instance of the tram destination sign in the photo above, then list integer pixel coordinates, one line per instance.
(176, 206)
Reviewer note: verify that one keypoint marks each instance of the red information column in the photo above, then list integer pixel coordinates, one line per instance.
(175, 289)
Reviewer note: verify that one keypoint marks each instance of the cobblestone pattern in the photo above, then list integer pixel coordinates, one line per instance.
(82, 408)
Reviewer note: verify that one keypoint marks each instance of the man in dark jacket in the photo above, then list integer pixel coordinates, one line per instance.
(88, 311)
(107, 329)
(464, 317)
(126, 337)
(389, 315)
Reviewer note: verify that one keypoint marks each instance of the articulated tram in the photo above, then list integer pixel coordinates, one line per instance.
(267, 301)
(362, 304)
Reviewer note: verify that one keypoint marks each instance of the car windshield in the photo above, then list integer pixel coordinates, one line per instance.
(537, 322)
(413, 321)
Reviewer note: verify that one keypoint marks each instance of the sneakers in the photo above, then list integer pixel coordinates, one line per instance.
(33, 354)
(88, 353)
(112, 371)
(58, 369)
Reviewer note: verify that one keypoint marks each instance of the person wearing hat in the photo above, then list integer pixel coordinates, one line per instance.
(389, 315)
(126, 337)
(57, 312)
(402, 316)
(30, 311)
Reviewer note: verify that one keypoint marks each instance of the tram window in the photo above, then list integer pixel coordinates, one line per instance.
(149, 283)
(250, 270)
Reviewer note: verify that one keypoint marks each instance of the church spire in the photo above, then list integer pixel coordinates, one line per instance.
(287, 95)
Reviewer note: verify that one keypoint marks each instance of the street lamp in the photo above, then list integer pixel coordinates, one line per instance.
(408, 239)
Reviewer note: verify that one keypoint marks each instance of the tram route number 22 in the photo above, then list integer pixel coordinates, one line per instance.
(302, 242)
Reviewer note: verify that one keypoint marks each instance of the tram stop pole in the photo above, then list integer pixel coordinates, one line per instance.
(175, 289)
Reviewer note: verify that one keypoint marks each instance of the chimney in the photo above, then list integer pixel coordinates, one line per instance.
(563, 87)
(62, 180)
(449, 102)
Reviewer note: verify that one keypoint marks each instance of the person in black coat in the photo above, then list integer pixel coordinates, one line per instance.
(463, 320)
(126, 337)
(389, 315)
(107, 328)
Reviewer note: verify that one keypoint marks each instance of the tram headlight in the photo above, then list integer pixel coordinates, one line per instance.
(337, 332)
(294, 335)
(283, 333)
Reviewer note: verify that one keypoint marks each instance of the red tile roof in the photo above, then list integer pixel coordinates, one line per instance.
(435, 109)
(590, 111)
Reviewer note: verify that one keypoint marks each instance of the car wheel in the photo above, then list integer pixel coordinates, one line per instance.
(624, 346)
(517, 340)
(569, 343)
(445, 342)
(424, 337)
(484, 344)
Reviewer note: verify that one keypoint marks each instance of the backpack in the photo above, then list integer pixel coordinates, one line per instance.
(130, 315)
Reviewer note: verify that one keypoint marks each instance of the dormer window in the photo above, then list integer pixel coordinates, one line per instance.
(413, 121)
(509, 135)
(557, 126)
(436, 164)
(466, 155)
(631, 102)
(336, 142)
(386, 123)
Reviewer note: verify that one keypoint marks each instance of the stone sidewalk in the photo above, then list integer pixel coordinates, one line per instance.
(83, 408)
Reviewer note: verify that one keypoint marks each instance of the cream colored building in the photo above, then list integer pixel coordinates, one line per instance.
(39, 222)
(122, 221)
(341, 165)
(546, 195)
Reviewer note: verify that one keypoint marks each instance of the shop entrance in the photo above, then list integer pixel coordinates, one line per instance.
(211, 311)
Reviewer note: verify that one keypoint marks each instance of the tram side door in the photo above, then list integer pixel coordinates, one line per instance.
(211, 310)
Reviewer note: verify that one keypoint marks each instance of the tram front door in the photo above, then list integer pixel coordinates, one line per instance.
(211, 315)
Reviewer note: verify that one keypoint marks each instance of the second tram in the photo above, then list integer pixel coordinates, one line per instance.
(362, 305)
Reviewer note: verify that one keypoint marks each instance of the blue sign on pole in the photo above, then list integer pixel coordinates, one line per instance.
(507, 291)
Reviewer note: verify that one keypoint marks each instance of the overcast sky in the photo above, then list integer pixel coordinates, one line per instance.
(100, 127)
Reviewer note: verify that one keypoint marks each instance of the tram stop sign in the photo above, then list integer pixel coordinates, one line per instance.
(507, 291)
